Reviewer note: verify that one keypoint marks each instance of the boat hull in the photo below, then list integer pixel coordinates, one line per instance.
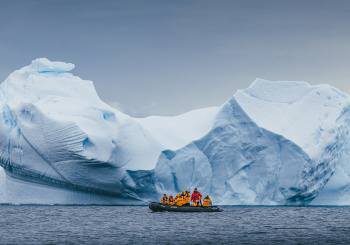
(159, 207)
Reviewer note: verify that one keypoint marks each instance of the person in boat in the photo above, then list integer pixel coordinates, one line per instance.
(164, 200)
(183, 196)
(196, 195)
(206, 201)
(179, 200)
(171, 200)
(187, 198)
(196, 204)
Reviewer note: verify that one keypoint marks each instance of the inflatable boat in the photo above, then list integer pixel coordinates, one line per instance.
(159, 207)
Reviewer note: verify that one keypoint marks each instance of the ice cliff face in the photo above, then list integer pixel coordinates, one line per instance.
(273, 143)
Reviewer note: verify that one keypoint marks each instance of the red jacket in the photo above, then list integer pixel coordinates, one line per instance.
(196, 195)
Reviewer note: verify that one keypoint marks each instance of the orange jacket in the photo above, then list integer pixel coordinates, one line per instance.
(195, 204)
(206, 201)
(164, 200)
(179, 201)
(171, 200)
(187, 198)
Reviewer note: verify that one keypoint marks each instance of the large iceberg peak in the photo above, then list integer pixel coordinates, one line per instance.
(278, 92)
(43, 65)
(304, 114)
(46, 80)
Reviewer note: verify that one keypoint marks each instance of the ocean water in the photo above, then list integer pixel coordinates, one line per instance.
(138, 225)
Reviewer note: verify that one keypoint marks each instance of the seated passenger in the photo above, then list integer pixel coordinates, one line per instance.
(183, 196)
(187, 198)
(196, 203)
(179, 200)
(164, 200)
(206, 201)
(171, 200)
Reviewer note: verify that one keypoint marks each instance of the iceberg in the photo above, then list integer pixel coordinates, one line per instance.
(274, 143)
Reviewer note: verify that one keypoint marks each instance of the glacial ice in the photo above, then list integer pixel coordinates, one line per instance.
(274, 143)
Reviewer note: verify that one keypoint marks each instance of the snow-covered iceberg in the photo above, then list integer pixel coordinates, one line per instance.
(273, 143)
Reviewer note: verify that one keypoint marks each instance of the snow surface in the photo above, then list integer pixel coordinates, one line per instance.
(273, 143)
(176, 132)
(296, 110)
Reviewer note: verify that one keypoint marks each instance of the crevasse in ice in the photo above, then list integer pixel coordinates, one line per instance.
(274, 143)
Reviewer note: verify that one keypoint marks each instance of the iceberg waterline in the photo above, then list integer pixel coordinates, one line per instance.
(274, 143)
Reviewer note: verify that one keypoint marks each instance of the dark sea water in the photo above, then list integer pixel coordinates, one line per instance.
(138, 225)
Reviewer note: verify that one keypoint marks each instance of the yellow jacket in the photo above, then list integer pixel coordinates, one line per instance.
(195, 204)
(171, 201)
(187, 198)
(206, 201)
(179, 201)
(164, 200)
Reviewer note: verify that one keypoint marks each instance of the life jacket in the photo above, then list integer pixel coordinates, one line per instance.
(195, 204)
(196, 196)
(183, 198)
(171, 200)
(206, 201)
(164, 200)
(179, 201)
(187, 197)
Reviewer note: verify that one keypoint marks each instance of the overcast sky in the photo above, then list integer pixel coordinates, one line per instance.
(151, 57)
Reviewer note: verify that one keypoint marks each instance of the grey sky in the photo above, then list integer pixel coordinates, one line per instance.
(168, 57)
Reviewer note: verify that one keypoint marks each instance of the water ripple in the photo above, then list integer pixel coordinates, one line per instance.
(138, 225)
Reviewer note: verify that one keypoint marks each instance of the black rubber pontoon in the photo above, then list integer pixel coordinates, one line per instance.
(159, 207)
